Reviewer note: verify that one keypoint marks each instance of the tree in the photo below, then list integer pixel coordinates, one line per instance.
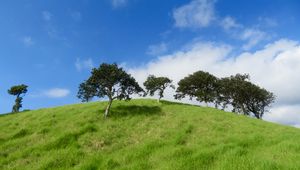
(258, 100)
(19, 91)
(244, 96)
(153, 84)
(200, 85)
(109, 81)
(86, 92)
(231, 90)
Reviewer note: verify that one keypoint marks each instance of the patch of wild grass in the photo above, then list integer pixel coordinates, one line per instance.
(144, 134)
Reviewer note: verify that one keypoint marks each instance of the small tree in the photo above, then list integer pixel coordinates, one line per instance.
(153, 84)
(200, 85)
(19, 91)
(258, 99)
(109, 81)
(231, 90)
(86, 92)
(244, 96)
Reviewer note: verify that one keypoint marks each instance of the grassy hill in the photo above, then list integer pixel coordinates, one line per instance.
(144, 134)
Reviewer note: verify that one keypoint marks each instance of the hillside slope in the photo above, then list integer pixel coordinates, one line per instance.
(144, 134)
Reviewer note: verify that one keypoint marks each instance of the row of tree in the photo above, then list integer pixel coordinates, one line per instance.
(113, 82)
(237, 91)
(244, 97)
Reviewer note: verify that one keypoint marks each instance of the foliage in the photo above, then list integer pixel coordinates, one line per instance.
(157, 84)
(19, 91)
(231, 91)
(244, 96)
(86, 92)
(200, 85)
(109, 81)
(258, 100)
(150, 135)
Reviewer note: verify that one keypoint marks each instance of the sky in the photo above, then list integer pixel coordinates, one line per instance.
(52, 45)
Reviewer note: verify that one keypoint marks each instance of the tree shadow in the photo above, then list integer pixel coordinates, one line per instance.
(121, 111)
(165, 102)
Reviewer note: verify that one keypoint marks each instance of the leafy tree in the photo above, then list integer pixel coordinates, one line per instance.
(109, 81)
(244, 96)
(153, 84)
(200, 85)
(19, 91)
(258, 100)
(231, 91)
(86, 92)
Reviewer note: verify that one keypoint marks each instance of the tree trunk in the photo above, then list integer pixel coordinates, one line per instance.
(107, 108)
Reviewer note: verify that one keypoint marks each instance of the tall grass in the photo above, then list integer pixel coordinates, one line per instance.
(144, 134)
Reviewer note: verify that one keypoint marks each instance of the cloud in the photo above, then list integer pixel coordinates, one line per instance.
(228, 23)
(76, 16)
(56, 93)
(52, 30)
(275, 67)
(84, 64)
(201, 13)
(267, 22)
(51, 93)
(196, 14)
(157, 49)
(288, 115)
(47, 16)
(253, 37)
(119, 3)
(27, 41)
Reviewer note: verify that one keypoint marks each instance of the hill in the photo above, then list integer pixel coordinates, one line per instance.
(144, 134)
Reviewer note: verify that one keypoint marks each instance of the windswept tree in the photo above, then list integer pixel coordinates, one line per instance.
(157, 84)
(200, 85)
(231, 90)
(19, 91)
(112, 82)
(244, 96)
(86, 92)
(258, 100)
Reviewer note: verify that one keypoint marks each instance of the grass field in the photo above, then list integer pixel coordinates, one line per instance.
(144, 134)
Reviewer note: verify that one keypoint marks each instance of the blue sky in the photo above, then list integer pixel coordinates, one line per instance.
(52, 45)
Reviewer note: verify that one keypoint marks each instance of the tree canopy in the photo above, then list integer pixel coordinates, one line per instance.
(86, 92)
(157, 84)
(18, 91)
(244, 96)
(109, 81)
(200, 85)
(237, 91)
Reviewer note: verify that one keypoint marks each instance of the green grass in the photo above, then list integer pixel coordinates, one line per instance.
(144, 134)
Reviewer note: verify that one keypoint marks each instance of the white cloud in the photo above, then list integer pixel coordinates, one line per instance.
(250, 36)
(84, 64)
(275, 67)
(76, 16)
(157, 49)
(289, 114)
(47, 16)
(119, 3)
(56, 93)
(253, 37)
(201, 13)
(267, 22)
(51, 93)
(27, 41)
(196, 14)
(228, 23)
